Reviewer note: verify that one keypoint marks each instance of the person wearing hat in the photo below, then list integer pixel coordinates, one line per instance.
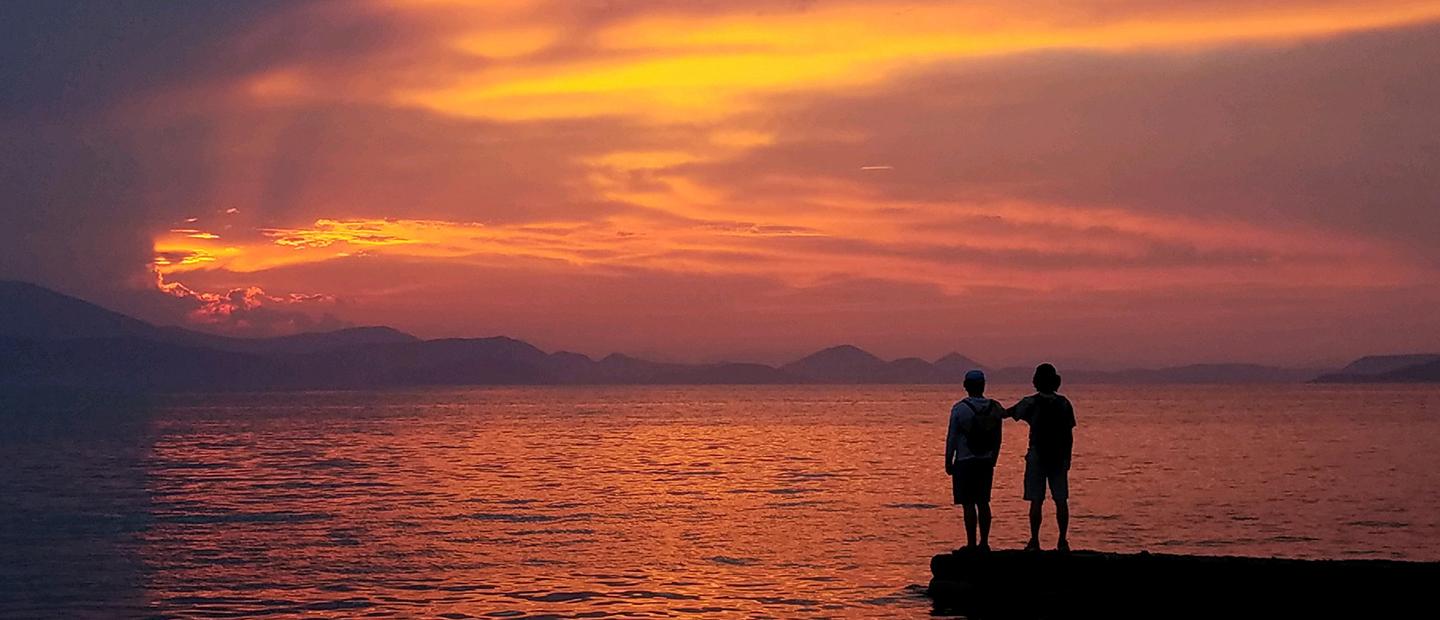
(972, 445)
(1047, 462)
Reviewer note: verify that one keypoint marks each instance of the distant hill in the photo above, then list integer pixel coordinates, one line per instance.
(30, 312)
(1381, 364)
(1427, 372)
(840, 364)
(131, 363)
(298, 343)
(1409, 368)
(616, 368)
(1198, 373)
(33, 312)
(1193, 373)
(850, 364)
(952, 367)
(51, 339)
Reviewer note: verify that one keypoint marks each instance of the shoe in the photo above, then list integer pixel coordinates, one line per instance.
(1033, 545)
(1063, 547)
(983, 548)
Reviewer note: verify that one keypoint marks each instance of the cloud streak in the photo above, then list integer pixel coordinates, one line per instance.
(775, 175)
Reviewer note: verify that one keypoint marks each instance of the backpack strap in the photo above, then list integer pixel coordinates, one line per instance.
(977, 412)
(990, 405)
(973, 412)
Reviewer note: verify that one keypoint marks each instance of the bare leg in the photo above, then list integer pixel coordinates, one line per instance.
(1062, 519)
(969, 525)
(985, 524)
(1035, 514)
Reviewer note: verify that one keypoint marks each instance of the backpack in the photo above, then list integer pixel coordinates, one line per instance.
(983, 436)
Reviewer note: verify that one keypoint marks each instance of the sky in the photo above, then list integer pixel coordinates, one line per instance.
(1097, 182)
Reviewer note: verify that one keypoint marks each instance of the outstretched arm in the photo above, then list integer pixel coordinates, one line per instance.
(1017, 410)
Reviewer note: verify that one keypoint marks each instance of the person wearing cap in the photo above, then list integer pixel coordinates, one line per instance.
(1047, 462)
(972, 446)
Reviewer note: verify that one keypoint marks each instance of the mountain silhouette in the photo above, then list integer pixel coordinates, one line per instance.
(952, 367)
(845, 363)
(312, 342)
(851, 364)
(30, 312)
(1197, 373)
(1426, 372)
(34, 312)
(1409, 368)
(51, 339)
(907, 370)
(617, 368)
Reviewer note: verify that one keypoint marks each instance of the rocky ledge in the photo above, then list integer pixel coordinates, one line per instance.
(1018, 584)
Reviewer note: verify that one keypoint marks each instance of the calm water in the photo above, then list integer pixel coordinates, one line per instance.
(657, 502)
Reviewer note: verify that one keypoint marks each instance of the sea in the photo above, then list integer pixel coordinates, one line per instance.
(657, 502)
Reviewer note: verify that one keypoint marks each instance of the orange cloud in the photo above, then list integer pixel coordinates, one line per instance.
(249, 310)
(1038, 247)
(867, 154)
(673, 66)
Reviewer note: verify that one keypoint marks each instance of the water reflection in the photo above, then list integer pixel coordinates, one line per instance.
(73, 504)
(591, 502)
(563, 502)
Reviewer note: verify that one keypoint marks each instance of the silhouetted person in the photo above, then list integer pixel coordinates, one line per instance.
(972, 445)
(1052, 420)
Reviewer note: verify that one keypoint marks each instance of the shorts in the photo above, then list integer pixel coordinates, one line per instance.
(972, 480)
(1037, 476)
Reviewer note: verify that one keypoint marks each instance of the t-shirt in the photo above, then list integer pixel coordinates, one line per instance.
(1051, 418)
(962, 421)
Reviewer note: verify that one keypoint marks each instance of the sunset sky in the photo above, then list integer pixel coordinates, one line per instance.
(1106, 182)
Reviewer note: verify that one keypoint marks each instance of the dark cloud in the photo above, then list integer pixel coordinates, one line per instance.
(80, 202)
(73, 216)
(65, 58)
(122, 120)
(118, 120)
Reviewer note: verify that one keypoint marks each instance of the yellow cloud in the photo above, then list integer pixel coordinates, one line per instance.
(702, 70)
(674, 67)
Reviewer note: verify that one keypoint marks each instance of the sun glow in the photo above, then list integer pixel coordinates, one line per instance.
(943, 150)
(676, 67)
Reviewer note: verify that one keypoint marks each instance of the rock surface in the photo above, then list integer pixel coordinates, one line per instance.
(1016, 584)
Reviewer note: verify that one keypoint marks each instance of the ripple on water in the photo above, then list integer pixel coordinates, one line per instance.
(236, 517)
(1380, 524)
(733, 561)
(657, 502)
(517, 517)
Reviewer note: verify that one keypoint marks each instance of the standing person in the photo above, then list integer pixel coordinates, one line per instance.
(1052, 420)
(972, 445)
